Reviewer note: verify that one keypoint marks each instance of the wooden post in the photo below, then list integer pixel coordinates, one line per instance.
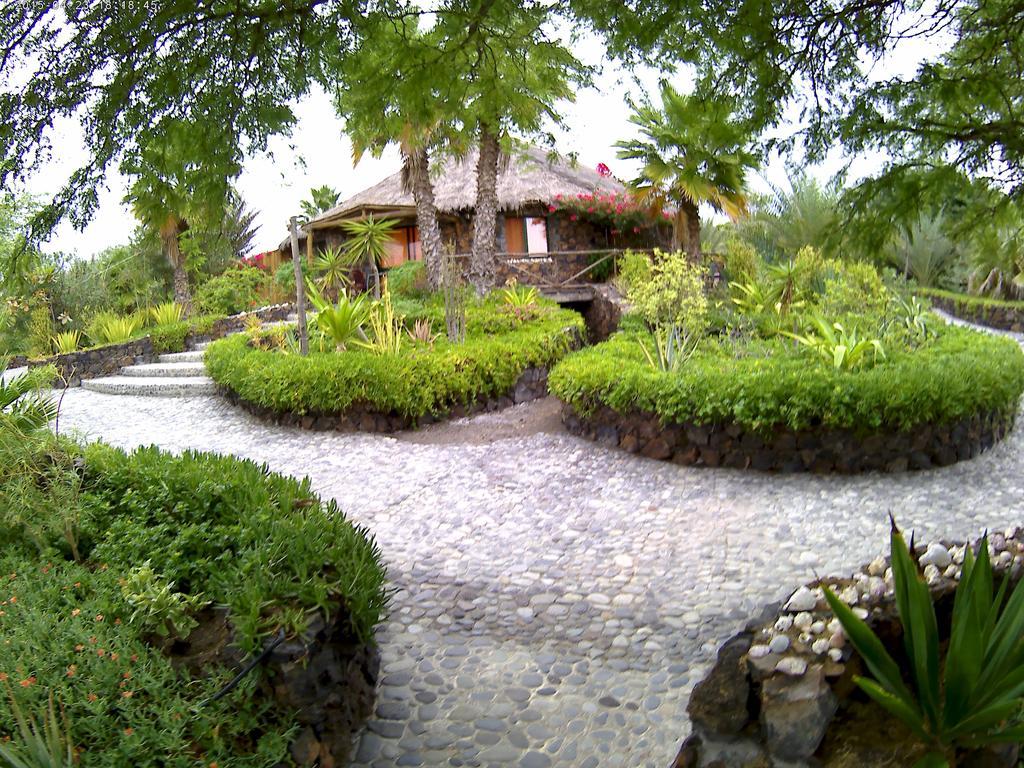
(300, 286)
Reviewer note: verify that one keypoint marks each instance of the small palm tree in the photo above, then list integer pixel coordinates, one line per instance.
(692, 152)
(321, 200)
(786, 220)
(924, 250)
(367, 245)
(23, 407)
(332, 266)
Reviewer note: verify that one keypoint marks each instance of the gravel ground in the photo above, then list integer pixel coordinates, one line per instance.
(558, 600)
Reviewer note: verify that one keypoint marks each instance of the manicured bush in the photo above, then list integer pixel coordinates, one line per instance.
(968, 304)
(105, 551)
(418, 381)
(171, 336)
(764, 383)
(236, 290)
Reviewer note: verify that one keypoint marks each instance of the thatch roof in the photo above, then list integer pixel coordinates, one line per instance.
(531, 177)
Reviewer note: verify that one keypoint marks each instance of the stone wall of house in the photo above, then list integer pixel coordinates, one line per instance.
(784, 450)
(781, 692)
(72, 368)
(325, 677)
(1003, 318)
(531, 385)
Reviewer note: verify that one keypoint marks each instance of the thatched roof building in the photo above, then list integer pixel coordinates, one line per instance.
(529, 179)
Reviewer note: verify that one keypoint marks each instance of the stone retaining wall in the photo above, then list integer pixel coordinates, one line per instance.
(781, 692)
(604, 312)
(72, 368)
(1003, 318)
(531, 385)
(821, 450)
(325, 677)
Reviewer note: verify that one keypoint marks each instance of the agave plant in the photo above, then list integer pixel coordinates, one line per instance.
(66, 342)
(672, 347)
(23, 407)
(519, 296)
(343, 322)
(914, 316)
(974, 696)
(166, 313)
(114, 329)
(844, 349)
(34, 745)
(422, 333)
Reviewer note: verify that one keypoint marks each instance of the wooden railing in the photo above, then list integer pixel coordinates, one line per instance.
(555, 278)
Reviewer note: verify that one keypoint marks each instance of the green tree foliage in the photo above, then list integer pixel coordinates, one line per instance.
(320, 200)
(693, 152)
(786, 220)
(127, 68)
(925, 251)
(182, 180)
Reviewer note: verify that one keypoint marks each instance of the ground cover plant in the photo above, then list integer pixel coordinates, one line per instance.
(110, 558)
(392, 355)
(812, 343)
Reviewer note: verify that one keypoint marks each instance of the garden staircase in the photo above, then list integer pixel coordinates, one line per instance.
(178, 374)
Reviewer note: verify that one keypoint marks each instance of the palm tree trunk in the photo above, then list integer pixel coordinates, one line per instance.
(417, 167)
(170, 234)
(692, 216)
(482, 264)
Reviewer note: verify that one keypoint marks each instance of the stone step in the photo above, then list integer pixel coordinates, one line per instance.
(195, 356)
(168, 370)
(201, 346)
(156, 386)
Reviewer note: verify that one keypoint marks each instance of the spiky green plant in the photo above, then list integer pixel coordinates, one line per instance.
(672, 347)
(66, 342)
(844, 350)
(166, 313)
(23, 406)
(974, 695)
(332, 267)
(519, 296)
(343, 321)
(114, 329)
(367, 246)
(385, 327)
(924, 250)
(38, 745)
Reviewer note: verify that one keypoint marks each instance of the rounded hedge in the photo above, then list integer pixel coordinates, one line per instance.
(767, 384)
(422, 380)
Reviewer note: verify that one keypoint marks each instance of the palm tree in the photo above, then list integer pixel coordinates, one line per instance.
(692, 152)
(321, 200)
(23, 406)
(332, 266)
(367, 245)
(786, 220)
(924, 250)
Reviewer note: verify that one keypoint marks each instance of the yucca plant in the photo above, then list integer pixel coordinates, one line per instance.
(23, 406)
(34, 745)
(367, 246)
(974, 696)
(66, 342)
(519, 296)
(672, 347)
(114, 329)
(343, 322)
(914, 316)
(332, 267)
(844, 350)
(166, 313)
(385, 327)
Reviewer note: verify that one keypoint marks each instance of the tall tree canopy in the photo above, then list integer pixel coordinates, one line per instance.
(962, 107)
(123, 68)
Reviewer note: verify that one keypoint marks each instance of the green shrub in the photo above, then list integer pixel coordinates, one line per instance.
(236, 290)
(40, 331)
(968, 306)
(672, 293)
(284, 277)
(171, 337)
(741, 261)
(762, 384)
(417, 381)
(634, 268)
(111, 329)
(408, 280)
(166, 313)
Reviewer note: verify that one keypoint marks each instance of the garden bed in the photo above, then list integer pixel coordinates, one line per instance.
(138, 585)
(108, 360)
(504, 360)
(1003, 315)
(767, 406)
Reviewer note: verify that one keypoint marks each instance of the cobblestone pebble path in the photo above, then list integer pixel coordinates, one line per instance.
(557, 600)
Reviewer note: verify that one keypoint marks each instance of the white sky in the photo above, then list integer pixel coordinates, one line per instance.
(274, 184)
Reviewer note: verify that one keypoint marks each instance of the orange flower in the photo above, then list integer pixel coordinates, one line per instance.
(3, 677)
(76, 611)
(135, 657)
(117, 622)
(27, 682)
(99, 617)
(127, 675)
(128, 731)
(71, 670)
(3, 613)
(79, 647)
(101, 653)
(14, 599)
(78, 584)
(92, 697)
(113, 656)
(127, 694)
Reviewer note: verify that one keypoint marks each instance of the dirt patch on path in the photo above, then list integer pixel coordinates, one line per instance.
(534, 417)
